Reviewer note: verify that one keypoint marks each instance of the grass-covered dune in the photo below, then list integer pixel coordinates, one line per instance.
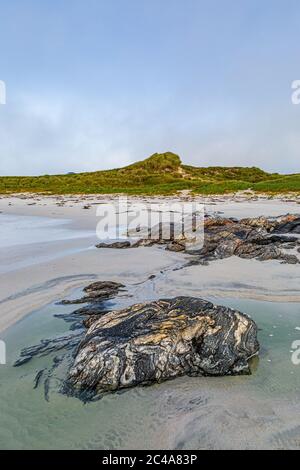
(159, 174)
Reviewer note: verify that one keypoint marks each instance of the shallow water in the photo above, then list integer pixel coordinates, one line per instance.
(257, 411)
(260, 410)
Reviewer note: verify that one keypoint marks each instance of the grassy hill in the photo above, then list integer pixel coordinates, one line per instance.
(159, 174)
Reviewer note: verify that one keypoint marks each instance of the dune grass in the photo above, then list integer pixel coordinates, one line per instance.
(158, 174)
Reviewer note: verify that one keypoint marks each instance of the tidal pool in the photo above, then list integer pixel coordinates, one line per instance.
(257, 411)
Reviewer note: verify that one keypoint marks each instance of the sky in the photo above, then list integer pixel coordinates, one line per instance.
(97, 84)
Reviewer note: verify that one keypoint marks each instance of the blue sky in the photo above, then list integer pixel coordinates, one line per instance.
(94, 84)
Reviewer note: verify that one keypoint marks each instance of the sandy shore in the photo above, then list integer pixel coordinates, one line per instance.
(73, 207)
(34, 274)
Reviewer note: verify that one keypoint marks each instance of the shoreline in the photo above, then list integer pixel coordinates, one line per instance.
(68, 264)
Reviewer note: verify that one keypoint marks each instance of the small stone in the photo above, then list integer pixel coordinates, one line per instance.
(119, 245)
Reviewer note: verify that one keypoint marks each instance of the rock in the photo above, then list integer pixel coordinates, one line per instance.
(87, 322)
(160, 232)
(289, 225)
(119, 245)
(175, 246)
(96, 292)
(257, 238)
(261, 238)
(289, 259)
(48, 346)
(161, 340)
(143, 242)
(290, 246)
(100, 286)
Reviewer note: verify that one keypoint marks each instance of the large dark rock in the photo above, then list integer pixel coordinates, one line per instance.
(161, 340)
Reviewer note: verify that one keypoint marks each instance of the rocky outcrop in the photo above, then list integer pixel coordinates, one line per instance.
(260, 238)
(161, 340)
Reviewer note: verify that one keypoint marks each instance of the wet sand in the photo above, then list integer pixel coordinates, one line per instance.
(33, 274)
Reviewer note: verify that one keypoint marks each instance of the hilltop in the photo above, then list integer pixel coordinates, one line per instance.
(161, 173)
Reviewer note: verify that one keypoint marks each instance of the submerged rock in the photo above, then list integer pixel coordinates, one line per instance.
(161, 340)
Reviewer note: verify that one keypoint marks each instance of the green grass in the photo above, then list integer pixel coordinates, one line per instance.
(158, 174)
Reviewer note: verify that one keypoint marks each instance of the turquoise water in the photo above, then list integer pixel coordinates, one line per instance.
(260, 410)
